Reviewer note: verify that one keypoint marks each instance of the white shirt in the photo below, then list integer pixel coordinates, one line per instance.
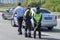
(33, 10)
(20, 11)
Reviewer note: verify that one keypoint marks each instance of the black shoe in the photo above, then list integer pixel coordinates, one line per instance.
(26, 35)
(39, 34)
(30, 36)
(39, 37)
(20, 33)
(34, 37)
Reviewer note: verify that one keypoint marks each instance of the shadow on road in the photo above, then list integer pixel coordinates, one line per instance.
(54, 30)
(49, 39)
(44, 38)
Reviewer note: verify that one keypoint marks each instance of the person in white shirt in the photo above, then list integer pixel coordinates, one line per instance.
(19, 11)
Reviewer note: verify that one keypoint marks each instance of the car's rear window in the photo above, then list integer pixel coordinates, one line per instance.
(44, 11)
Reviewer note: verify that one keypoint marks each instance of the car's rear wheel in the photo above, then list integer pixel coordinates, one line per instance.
(13, 23)
(50, 28)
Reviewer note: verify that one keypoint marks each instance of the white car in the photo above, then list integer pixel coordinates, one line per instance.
(7, 14)
(49, 20)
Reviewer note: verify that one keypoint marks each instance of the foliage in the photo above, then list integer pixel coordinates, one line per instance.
(32, 2)
(52, 5)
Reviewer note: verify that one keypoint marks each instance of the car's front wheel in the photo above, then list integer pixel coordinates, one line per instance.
(4, 17)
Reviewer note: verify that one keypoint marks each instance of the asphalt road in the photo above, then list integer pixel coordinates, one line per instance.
(7, 32)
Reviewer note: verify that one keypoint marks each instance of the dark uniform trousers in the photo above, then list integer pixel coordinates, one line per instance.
(20, 19)
(38, 29)
(28, 26)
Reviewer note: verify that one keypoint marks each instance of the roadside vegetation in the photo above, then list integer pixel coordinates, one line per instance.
(52, 5)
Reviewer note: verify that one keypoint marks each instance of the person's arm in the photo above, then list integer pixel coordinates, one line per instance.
(14, 12)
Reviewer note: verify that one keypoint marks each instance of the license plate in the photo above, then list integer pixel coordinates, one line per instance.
(48, 18)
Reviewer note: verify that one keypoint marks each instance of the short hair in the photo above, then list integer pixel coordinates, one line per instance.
(38, 7)
(29, 6)
(19, 4)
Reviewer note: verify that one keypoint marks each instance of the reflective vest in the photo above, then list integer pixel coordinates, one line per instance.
(37, 17)
(27, 13)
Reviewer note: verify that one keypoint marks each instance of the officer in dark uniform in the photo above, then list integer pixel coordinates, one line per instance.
(28, 22)
(37, 19)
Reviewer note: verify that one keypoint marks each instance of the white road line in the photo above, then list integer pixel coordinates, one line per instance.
(43, 33)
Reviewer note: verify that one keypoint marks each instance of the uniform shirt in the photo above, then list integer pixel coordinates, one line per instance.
(20, 11)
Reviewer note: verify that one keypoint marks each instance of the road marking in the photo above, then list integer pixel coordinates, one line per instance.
(43, 33)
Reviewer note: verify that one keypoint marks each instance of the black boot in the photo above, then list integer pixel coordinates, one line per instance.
(39, 34)
(20, 33)
(35, 34)
(30, 35)
(26, 35)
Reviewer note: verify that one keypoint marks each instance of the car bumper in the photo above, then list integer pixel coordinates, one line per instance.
(48, 24)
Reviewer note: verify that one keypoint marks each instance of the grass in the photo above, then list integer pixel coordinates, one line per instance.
(7, 5)
(3, 7)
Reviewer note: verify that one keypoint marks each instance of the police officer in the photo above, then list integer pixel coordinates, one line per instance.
(37, 19)
(28, 21)
(19, 10)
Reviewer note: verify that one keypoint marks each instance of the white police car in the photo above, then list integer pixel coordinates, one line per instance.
(49, 20)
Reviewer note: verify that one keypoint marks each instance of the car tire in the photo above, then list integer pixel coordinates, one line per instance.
(4, 17)
(13, 23)
(50, 28)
